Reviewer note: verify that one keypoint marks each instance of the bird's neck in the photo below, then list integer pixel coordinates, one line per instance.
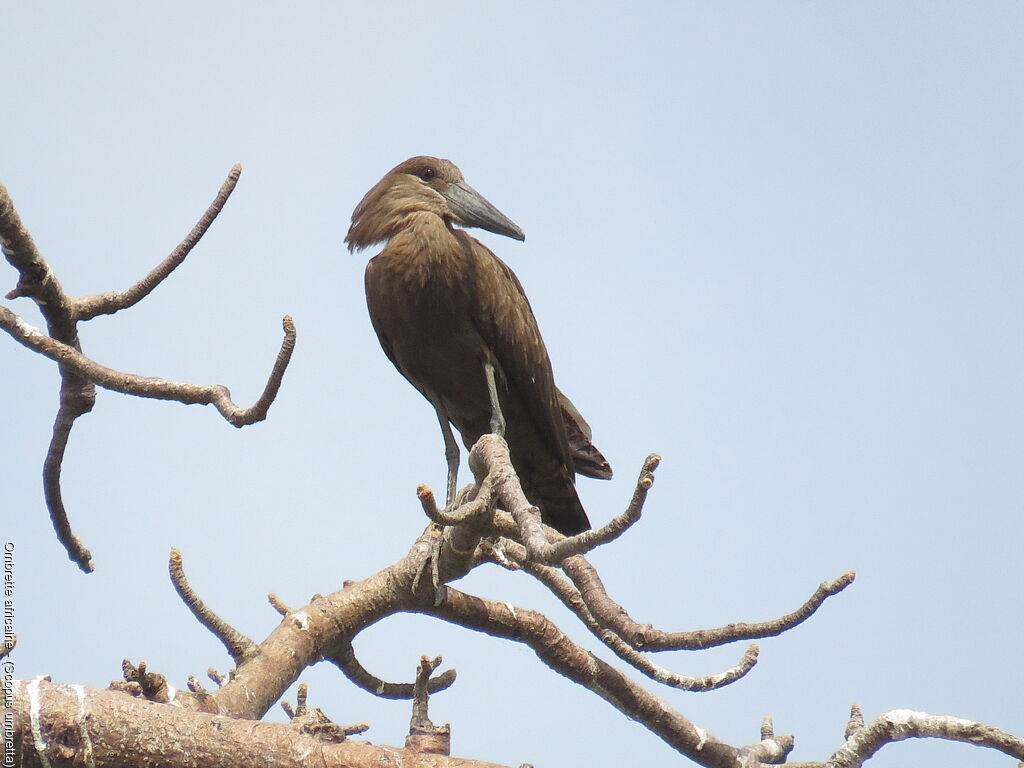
(426, 235)
(427, 251)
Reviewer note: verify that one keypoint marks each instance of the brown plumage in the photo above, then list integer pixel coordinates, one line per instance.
(445, 308)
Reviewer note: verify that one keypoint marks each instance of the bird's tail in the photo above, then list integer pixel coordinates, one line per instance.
(555, 494)
(587, 459)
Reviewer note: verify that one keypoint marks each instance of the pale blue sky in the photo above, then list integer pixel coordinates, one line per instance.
(778, 243)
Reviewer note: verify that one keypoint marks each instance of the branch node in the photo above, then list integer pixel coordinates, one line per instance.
(194, 685)
(278, 604)
(313, 722)
(856, 721)
(152, 685)
(424, 736)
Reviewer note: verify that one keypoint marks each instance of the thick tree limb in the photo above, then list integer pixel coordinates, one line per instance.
(64, 725)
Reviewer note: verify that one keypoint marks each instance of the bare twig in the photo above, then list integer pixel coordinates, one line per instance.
(589, 540)
(88, 307)
(856, 721)
(343, 656)
(565, 591)
(70, 409)
(278, 604)
(645, 637)
(470, 512)
(160, 389)
(770, 749)
(238, 645)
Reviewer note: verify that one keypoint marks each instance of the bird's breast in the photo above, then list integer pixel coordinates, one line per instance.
(422, 309)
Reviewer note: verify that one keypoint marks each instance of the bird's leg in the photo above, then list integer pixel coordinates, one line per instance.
(497, 418)
(451, 454)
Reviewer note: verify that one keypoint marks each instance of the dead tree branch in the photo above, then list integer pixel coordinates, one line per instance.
(152, 387)
(88, 307)
(557, 651)
(79, 375)
(57, 725)
(343, 656)
(646, 637)
(63, 725)
(565, 591)
(489, 457)
(238, 645)
(424, 736)
(37, 281)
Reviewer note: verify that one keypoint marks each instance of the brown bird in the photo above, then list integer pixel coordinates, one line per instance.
(454, 320)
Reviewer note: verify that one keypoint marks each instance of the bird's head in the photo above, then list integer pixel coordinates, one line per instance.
(423, 185)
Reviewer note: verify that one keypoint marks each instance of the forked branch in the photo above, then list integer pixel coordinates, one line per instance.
(79, 374)
(147, 386)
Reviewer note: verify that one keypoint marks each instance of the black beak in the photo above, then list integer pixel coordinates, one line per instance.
(471, 209)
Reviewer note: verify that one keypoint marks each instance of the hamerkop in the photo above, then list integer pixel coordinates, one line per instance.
(455, 321)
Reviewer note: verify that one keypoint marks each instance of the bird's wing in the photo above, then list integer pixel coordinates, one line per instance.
(374, 299)
(378, 304)
(505, 321)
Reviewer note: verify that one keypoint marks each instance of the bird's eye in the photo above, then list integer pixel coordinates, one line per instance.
(427, 173)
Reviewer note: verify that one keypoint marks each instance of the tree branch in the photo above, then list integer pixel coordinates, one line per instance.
(565, 591)
(70, 408)
(900, 724)
(557, 651)
(160, 389)
(36, 280)
(58, 725)
(343, 656)
(646, 637)
(88, 307)
(490, 457)
(238, 645)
